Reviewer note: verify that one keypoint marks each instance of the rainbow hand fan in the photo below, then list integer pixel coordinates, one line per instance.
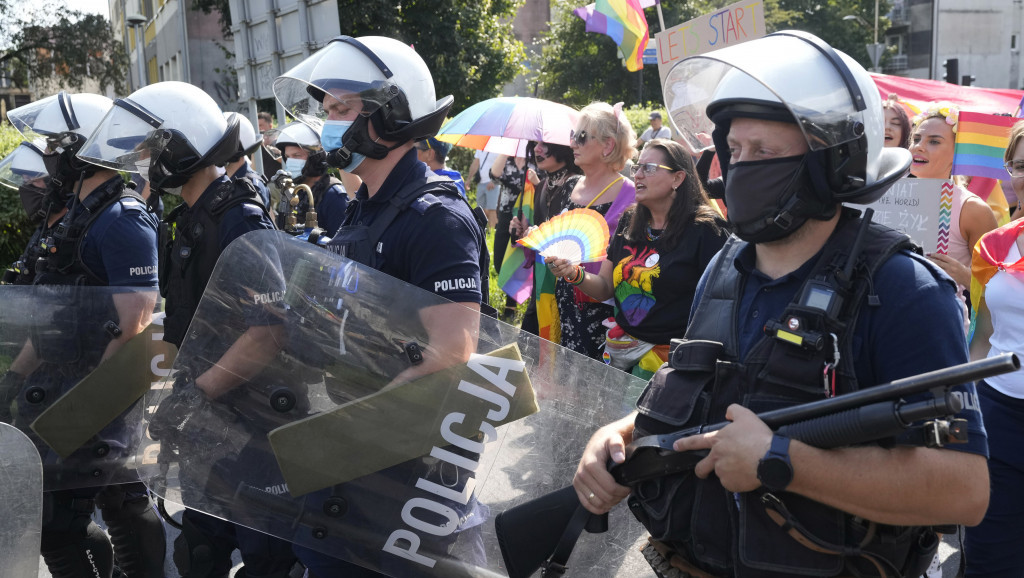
(578, 236)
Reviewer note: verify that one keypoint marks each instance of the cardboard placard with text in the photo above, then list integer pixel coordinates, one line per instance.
(920, 208)
(733, 24)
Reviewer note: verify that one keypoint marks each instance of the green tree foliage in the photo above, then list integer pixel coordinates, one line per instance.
(467, 44)
(45, 41)
(577, 67)
(15, 228)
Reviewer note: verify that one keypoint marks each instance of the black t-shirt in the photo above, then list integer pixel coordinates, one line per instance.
(654, 284)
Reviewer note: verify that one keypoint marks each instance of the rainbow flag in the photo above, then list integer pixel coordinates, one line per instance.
(516, 275)
(624, 22)
(980, 143)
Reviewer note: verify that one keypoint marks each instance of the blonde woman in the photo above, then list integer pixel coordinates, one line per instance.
(602, 142)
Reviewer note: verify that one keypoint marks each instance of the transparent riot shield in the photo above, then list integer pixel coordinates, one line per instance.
(333, 406)
(21, 504)
(76, 362)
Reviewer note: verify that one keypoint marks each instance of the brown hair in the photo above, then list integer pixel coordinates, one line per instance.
(1016, 136)
(892, 103)
(691, 205)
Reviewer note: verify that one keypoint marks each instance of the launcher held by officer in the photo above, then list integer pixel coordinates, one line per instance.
(798, 128)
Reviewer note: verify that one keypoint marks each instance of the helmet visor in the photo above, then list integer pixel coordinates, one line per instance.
(23, 166)
(127, 137)
(338, 79)
(48, 117)
(823, 101)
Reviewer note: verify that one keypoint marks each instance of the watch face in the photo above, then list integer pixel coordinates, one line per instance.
(775, 473)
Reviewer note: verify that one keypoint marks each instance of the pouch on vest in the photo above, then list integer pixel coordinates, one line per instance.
(680, 387)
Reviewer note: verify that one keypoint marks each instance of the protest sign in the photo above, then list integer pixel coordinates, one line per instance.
(920, 208)
(734, 24)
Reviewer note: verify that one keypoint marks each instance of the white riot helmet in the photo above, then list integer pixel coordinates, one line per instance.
(300, 134)
(794, 77)
(23, 169)
(248, 140)
(62, 123)
(165, 131)
(385, 80)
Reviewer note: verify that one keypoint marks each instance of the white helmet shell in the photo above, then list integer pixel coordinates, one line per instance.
(154, 113)
(305, 135)
(60, 113)
(385, 73)
(829, 95)
(248, 140)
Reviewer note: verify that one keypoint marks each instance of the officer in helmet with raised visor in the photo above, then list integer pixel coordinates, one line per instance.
(95, 232)
(798, 127)
(376, 98)
(175, 135)
(306, 161)
(239, 164)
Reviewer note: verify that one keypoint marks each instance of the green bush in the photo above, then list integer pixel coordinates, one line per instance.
(15, 228)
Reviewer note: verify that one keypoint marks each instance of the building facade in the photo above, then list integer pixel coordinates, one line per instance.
(168, 40)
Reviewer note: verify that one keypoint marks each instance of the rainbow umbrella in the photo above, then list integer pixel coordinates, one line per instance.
(506, 124)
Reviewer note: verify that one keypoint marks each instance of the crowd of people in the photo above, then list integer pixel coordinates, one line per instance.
(711, 302)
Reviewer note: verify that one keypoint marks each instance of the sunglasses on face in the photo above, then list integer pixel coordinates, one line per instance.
(648, 168)
(1015, 168)
(580, 138)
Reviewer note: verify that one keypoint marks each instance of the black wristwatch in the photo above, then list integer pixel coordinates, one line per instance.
(775, 471)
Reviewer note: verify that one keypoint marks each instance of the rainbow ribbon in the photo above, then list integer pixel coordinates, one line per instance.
(945, 217)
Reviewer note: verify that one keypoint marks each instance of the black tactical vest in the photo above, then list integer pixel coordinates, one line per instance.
(730, 533)
(190, 247)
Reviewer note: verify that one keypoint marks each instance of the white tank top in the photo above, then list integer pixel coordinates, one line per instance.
(958, 248)
(1003, 296)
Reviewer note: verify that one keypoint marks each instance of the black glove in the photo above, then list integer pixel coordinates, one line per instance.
(10, 385)
(171, 418)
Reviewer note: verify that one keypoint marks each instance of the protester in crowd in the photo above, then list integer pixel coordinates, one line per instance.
(932, 145)
(558, 165)
(758, 502)
(601, 143)
(658, 253)
(487, 189)
(435, 153)
(992, 548)
(656, 130)
(897, 124)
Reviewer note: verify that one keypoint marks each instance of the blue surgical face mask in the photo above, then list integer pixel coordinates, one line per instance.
(331, 139)
(294, 166)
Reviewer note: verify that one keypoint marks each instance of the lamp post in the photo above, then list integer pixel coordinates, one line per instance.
(136, 21)
(874, 49)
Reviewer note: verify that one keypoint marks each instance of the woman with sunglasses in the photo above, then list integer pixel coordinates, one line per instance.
(602, 143)
(658, 252)
(992, 548)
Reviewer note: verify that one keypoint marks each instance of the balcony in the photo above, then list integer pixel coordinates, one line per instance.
(899, 15)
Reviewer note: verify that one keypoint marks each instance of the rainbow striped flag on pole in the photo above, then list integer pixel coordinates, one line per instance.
(980, 142)
(624, 22)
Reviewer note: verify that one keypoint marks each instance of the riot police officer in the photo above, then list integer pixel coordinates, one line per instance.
(798, 128)
(239, 164)
(103, 236)
(306, 161)
(375, 97)
(176, 136)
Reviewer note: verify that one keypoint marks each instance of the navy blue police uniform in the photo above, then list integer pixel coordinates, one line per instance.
(906, 321)
(107, 239)
(257, 179)
(434, 244)
(192, 240)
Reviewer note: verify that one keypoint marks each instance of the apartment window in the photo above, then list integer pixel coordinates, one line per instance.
(175, 74)
(1013, 42)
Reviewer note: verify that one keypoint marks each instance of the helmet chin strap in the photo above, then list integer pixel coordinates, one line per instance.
(357, 140)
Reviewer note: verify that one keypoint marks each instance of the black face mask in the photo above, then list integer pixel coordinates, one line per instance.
(766, 199)
(33, 199)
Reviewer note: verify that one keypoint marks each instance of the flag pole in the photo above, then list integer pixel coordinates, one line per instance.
(661, 17)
